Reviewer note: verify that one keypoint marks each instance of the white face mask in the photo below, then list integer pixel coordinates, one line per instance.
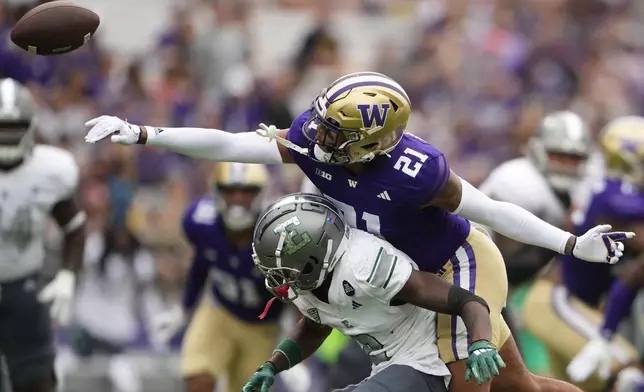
(238, 218)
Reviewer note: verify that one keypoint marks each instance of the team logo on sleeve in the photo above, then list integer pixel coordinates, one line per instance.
(348, 289)
(374, 116)
(314, 315)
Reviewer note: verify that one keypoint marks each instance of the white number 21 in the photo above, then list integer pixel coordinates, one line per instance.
(404, 162)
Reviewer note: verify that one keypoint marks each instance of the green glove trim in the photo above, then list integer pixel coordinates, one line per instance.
(291, 350)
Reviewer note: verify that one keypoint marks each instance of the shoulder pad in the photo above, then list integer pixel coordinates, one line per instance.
(202, 213)
(384, 275)
(60, 167)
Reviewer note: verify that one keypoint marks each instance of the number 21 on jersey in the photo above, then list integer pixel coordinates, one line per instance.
(368, 222)
(409, 166)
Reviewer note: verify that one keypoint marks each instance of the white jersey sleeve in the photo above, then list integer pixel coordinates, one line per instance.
(383, 270)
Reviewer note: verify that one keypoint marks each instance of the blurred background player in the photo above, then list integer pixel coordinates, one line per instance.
(541, 182)
(623, 145)
(570, 303)
(36, 182)
(226, 339)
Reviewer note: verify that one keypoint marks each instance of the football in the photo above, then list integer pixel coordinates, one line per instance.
(55, 28)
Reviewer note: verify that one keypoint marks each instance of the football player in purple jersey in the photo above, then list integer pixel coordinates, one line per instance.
(225, 338)
(353, 146)
(572, 305)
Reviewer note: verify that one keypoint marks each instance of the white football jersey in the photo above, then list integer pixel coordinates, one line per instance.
(27, 195)
(519, 182)
(362, 286)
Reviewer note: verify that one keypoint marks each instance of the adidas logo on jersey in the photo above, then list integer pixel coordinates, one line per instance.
(353, 183)
(355, 305)
(314, 315)
(384, 195)
(346, 323)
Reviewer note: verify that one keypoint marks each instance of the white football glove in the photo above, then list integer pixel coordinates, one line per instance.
(598, 245)
(122, 132)
(60, 294)
(597, 355)
(165, 325)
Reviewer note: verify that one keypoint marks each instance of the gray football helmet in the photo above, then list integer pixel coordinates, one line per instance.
(560, 149)
(297, 242)
(17, 115)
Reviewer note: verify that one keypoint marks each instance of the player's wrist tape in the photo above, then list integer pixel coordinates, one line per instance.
(457, 297)
(143, 135)
(291, 350)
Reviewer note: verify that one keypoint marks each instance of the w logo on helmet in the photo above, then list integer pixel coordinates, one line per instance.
(374, 115)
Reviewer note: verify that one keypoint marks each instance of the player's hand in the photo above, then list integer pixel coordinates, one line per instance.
(261, 380)
(267, 131)
(596, 356)
(60, 294)
(598, 245)
(483, 363)
(165, 325)
(121, 131)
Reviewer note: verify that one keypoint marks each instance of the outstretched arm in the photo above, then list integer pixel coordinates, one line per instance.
(460, 197)
(201, 143)
(216, 145)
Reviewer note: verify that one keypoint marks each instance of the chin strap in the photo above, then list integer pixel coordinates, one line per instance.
(270, 132)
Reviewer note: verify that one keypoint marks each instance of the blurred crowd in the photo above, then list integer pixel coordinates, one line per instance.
(480, 73)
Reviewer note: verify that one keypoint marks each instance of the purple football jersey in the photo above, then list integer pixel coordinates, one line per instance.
(386, 199)
(236, 283)
(614, 200)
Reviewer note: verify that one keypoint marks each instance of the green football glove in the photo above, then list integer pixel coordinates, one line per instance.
(261, 380)
(483, 363)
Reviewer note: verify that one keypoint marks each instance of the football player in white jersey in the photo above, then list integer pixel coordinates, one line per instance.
(36, 182)
(541, 182)
(361, 285)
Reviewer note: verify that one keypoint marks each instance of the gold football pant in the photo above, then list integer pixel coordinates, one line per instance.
(565, 324)
(476, 266)
(219, 344)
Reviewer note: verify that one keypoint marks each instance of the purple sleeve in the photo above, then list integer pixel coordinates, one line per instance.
(435, 177)
(618, 305)
(195, 281)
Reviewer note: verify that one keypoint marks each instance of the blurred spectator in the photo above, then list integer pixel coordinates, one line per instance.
(115, 290)
(480, 75)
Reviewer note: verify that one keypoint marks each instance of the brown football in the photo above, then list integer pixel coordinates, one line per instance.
(55, 28)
